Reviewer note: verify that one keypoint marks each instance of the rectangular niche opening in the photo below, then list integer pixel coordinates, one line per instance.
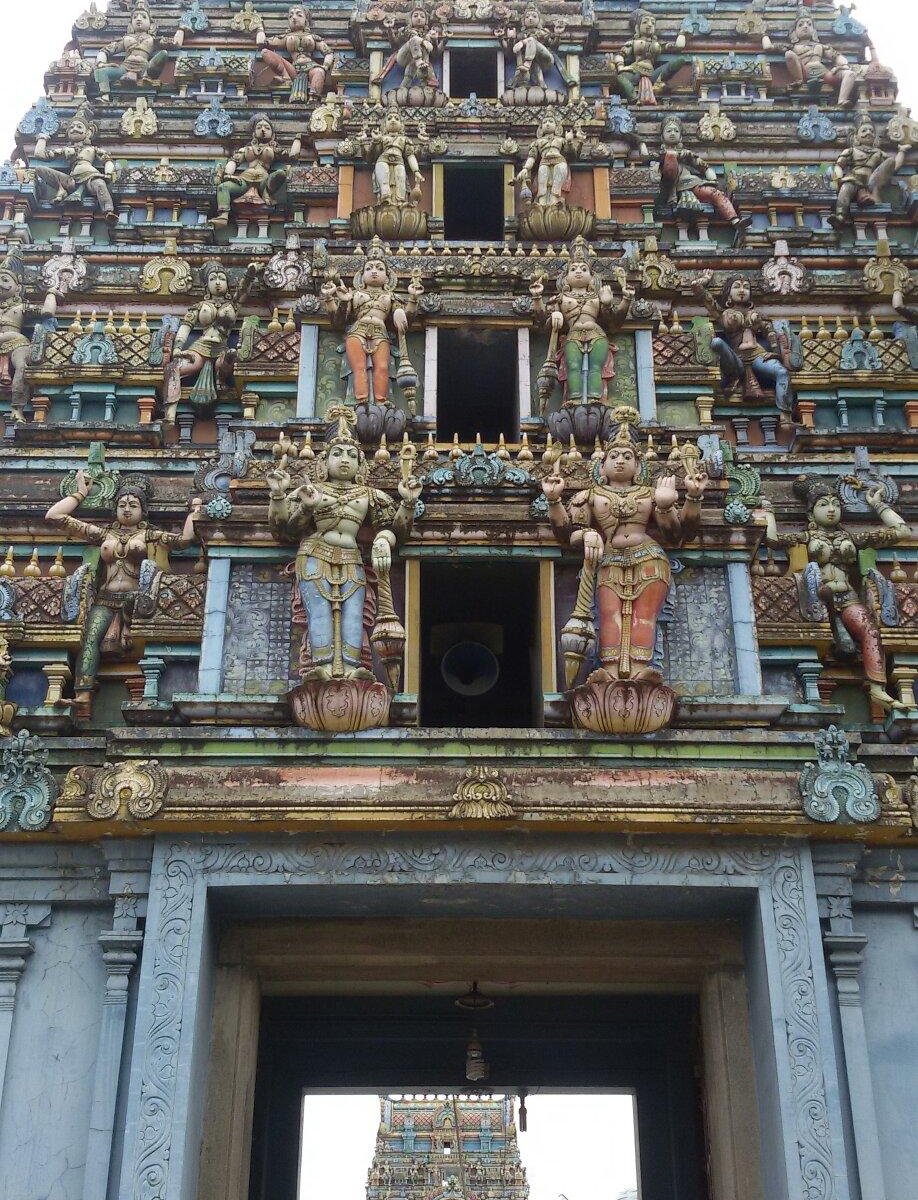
(477, 384)
(473, 71)
(421, 1144)
(479, 665)
(473, 202)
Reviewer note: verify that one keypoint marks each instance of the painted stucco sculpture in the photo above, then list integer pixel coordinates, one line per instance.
(832, 574)
(626, 578)
(340, 692)
(126, 580)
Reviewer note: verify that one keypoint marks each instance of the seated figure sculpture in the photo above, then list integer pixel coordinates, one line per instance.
(745, 362)
(139, 60)
(862, 171)
(82, 176)
(687, 181)
(638, 74)
(310, 60)
(260, 168)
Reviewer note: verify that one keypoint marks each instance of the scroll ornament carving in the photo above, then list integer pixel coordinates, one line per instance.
(775, 868)
(27, 788)
(833, 784)
(482, 795)
(167, 275)
(134, 789)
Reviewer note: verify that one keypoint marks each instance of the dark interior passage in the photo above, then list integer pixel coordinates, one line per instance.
(473, 70)
(473, 202)
(478, 658)
(647, 1044)
(477, 384)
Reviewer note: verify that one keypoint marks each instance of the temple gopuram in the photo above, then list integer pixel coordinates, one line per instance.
(428, 1147)
(458, 481)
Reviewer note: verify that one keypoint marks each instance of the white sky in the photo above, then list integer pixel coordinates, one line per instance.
(35, 32)
(578, 1146)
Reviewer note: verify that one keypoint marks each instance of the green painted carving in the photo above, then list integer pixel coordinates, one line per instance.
(27, 788)
(104, 482)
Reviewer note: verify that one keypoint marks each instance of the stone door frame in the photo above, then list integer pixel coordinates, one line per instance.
(796, 1077)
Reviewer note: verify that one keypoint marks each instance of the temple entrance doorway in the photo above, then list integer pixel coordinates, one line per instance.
(360, 1016)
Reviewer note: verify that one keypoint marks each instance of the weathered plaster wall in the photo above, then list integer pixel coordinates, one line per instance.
(889, 987)
(45, 1120)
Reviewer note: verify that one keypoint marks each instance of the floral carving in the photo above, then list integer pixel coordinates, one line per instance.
(27, 788)
(481, 795)
(833, 784)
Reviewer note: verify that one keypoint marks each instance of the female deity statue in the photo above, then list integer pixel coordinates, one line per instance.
(832, 570)
(82, 174)
(586, 313)
(636, 75)
(14, 345)
(209, 357)
(549, 154)
(626, 571)
(862, 171)
(325, 517)
(366, 308)
(414, 46)
(813, 66)
(127, 578)
(738, 346)
(687, 181)
(260, 171)
(136, 52)
(310, 62)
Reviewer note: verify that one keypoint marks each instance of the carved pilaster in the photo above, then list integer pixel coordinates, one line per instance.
(15, 950)
(845, 953)
(129, 881)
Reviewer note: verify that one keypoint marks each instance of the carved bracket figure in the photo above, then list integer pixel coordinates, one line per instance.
(414, 46)
(688, 182)
(637, 73)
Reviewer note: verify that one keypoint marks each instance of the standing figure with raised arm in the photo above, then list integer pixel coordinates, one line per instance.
(126, 581)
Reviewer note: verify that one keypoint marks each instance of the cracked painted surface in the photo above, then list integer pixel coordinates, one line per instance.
(43, 1130)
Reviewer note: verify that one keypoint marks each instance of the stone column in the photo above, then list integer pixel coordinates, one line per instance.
(129, 883)
(845, 949)
(15, 950)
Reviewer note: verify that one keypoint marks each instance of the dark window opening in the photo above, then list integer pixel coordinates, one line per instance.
(473, 71)
(479, 666)
(473, 202)
(477, 384)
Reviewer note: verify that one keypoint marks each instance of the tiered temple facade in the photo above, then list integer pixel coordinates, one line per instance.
(429, 1147)
(458, 469)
